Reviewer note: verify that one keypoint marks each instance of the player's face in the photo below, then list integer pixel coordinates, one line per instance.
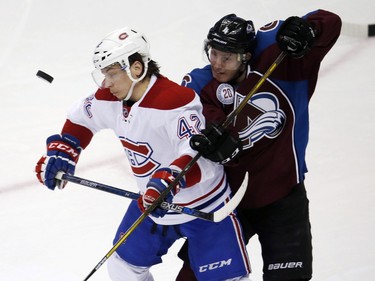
(224, 65)
(117, 81)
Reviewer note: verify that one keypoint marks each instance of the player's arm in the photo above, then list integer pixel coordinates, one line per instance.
(83, 134)
(317, 30)
(327, 26)
(182, 122)
(63, 150)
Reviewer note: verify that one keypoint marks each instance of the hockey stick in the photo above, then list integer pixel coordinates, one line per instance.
(144, 215)
(188, 166)
(260, 82)
(216, 216)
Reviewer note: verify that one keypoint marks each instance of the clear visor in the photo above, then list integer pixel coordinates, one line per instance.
(110, 74)
(230, 61)
(99, 78)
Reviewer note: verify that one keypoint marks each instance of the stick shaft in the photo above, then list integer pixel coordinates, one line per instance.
(260, 82)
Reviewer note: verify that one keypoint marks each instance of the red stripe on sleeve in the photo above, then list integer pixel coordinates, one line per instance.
(194, 175)
(82, 133)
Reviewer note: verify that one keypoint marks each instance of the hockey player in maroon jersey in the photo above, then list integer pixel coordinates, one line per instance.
(272, 129)
(154, 119)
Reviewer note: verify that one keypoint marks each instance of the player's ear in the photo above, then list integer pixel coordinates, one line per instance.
(136, 68)
(246, 57)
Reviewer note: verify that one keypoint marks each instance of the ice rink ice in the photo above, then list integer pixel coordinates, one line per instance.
(62, 235)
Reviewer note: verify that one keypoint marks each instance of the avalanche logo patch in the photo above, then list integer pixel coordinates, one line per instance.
(225, 93)
(267, 121)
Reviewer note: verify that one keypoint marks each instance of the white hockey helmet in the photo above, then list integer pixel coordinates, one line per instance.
(118, 46)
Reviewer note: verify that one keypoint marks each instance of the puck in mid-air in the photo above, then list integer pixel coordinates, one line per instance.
(44, 76)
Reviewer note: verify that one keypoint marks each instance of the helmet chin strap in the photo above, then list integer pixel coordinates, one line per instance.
(130, 92)
(134, 81)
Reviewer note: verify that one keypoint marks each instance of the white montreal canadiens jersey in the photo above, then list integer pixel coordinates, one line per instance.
(155, 133)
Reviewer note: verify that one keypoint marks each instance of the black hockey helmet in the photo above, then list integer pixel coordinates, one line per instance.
(232, 34)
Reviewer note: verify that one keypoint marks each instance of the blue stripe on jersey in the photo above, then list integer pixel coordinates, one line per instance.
(296, 93)
(209, 202)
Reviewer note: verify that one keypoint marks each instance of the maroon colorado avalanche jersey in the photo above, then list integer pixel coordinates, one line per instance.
(274, 124)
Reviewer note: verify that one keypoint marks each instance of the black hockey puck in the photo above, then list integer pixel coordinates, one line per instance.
(44, 76)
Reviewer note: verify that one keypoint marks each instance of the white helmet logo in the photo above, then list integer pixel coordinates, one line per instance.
(123, 36)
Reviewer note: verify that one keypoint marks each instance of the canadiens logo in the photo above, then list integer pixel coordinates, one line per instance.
(123, 36)
(125, 112)
(225, 93)
(140, 157)
(87, 106)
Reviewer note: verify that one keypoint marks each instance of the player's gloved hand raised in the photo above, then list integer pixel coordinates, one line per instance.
(62, 155)
(216, 144)
(159, 181)
(295, 36)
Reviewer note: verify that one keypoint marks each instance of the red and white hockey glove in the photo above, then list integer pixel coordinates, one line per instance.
(62, 155)
(159, 181)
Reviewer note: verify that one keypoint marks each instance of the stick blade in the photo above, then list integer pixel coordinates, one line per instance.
(228, 208)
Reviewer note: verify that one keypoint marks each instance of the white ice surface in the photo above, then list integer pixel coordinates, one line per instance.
(62, 235)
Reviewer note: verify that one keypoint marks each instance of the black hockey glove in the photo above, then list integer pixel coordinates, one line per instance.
(295, 36)
(216, 144)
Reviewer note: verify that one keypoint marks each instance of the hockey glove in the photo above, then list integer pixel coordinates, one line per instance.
(216, 144)
(159, 181)
(295, 36)
(62, 155)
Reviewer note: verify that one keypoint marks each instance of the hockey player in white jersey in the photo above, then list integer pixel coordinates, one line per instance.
(154, 119)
